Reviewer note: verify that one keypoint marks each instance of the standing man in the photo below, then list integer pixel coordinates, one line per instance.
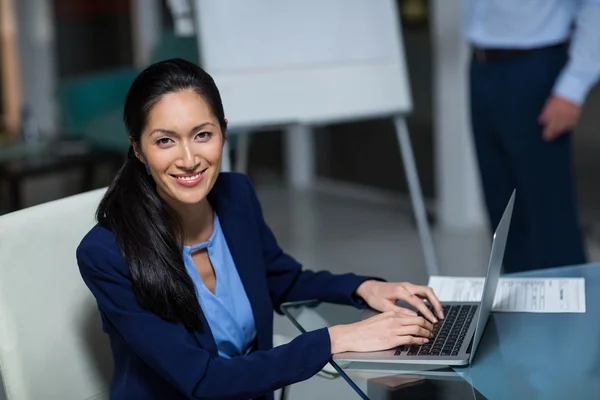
(534, 61)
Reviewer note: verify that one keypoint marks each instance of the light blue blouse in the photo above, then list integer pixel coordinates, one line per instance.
(228, 310)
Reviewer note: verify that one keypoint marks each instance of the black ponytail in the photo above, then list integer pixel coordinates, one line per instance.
(146, 227)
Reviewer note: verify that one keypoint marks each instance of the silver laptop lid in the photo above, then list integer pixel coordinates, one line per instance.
(493, 274)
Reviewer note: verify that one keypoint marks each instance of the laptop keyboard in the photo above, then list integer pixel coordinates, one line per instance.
(448, 334)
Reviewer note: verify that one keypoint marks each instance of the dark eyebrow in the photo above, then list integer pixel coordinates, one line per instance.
(169, 132)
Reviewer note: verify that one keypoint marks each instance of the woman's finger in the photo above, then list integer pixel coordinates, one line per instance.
(408, 339)
(414, 330)
(427, 292)
(404, 311)
(417, 303)
(415, 321)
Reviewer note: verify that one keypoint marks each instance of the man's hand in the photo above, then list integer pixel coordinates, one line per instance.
(558, 116)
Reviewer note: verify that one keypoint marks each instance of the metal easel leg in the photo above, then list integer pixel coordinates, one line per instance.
(299, 147)
(242, 151)
(226, 159)
(416, 195)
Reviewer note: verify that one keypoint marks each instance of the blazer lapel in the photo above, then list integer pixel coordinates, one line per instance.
(205, 339)
(236, 233)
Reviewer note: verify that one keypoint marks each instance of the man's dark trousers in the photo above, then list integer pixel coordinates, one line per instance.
(507, 97)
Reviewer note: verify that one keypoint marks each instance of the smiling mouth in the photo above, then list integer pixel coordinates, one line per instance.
(188, 179)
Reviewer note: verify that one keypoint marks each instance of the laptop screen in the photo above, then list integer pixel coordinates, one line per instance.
(493, 273)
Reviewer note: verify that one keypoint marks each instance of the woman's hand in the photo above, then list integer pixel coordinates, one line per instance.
(381, 332)
(382, 296)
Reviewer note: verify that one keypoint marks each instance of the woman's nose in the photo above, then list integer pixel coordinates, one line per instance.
(187, 157)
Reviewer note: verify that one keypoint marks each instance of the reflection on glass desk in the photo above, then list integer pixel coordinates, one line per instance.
(421, 387)
(521, 355)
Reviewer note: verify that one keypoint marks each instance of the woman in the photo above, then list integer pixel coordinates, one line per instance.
(186, 273)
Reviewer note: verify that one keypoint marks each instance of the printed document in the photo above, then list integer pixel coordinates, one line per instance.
(539, 295)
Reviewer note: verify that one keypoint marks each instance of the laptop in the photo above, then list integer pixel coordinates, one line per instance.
(457, 336)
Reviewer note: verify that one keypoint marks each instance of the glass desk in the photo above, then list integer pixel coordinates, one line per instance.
(521, 355)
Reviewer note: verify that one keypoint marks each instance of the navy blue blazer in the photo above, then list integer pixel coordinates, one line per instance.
(157, 359)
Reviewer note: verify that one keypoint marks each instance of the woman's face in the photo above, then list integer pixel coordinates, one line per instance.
(182, 145)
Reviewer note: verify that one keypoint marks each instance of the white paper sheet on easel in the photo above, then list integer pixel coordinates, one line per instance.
(538, 295)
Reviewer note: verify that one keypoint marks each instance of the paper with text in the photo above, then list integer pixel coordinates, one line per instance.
(540, 295)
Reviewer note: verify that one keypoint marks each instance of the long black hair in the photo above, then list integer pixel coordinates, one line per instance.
(147, 229)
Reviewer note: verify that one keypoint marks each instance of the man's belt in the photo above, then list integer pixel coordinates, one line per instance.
(490, 55)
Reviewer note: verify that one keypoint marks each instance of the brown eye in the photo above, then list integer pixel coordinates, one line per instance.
(204, 135)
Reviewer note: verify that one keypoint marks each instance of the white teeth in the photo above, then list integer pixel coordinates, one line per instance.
(188, 178)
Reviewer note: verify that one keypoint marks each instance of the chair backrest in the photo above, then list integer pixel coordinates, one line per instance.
(51, 340)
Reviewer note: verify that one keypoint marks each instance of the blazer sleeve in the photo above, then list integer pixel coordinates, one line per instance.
(174, 353)
(287, 280)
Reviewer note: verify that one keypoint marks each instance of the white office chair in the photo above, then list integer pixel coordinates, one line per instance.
(51, 341)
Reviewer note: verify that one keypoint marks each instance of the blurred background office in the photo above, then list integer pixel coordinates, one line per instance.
(67, 64)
